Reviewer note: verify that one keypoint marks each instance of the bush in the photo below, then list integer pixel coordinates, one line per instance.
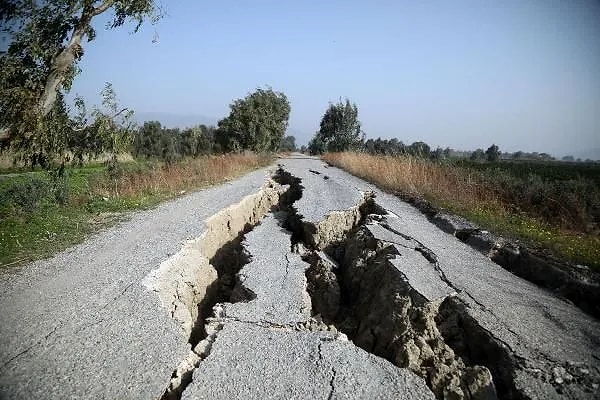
(26, 193)
(568, 203)
(61, 189)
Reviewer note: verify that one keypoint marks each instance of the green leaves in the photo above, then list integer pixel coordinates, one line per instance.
(135, 11)
(257, 122)
(340, 129)
(45, 44)
(492, 154)
(112, 125)
(154, 141)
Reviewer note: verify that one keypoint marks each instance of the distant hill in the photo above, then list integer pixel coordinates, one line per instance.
(171, 120)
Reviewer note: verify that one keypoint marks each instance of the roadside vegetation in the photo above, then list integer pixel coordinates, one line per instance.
(549, 205)
(39, 217)
(56, 190)
(55, 196)
(557, 214)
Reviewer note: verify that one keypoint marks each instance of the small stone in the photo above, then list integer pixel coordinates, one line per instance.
(561, 375)
(480, 383)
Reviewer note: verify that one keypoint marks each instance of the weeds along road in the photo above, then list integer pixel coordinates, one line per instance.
(298, 281)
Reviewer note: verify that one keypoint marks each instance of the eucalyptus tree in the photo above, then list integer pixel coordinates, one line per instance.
(45, 44)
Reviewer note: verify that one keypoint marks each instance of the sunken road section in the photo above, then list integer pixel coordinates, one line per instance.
(264, 321)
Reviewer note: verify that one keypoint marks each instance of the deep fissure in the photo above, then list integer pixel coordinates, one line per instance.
(355, 289)
(227, 260)
(399, 324)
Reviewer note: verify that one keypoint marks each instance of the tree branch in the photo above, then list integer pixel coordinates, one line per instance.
(103, 7)
(86, 125)
(120, 112)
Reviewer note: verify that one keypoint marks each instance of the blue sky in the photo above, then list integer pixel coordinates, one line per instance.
(465, 74)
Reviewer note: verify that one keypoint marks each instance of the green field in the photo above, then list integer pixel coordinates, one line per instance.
(563, 195)
(549, 170)
(40, 215)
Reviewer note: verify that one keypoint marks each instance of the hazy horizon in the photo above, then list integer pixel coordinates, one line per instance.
(523, 75)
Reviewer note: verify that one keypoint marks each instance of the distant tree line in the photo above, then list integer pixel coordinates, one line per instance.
(257, 122)
(154, 141)
(340, 130)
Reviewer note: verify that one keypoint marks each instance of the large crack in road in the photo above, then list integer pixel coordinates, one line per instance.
(263, 309)
(364, 280)
(204, 272)
(354, 287)
(319, 286)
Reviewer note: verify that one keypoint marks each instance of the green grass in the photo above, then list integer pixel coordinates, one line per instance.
(576, 248)
(547, 170)
(48, 229)
(27, 235)
(33, 225)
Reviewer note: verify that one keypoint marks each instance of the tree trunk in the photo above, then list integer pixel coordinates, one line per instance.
(67, 57)
(60, 65)
(64, 60)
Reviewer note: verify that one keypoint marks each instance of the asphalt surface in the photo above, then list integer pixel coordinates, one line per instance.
(276, 278)
(262, 351)
(83, 325)
(544, 333)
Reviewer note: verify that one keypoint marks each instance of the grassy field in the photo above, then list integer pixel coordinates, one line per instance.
(40, 215)
(553, 207)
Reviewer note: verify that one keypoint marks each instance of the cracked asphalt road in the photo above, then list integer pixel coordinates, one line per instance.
(83, 325)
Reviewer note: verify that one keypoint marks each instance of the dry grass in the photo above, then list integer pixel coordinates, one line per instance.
(172, 179)
(435, 182)
(464, 192)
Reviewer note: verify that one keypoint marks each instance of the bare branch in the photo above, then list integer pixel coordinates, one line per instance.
(103, 7)
(85, 126)
(120, 112)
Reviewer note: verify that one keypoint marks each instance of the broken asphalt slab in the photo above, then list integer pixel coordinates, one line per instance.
(254, 362)
(82, 324)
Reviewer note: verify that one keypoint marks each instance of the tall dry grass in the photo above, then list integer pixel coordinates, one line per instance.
(408, 175)
(490, 201)
(168, 180)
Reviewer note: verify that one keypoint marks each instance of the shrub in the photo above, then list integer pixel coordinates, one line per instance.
(61, 189)
(26, 193)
